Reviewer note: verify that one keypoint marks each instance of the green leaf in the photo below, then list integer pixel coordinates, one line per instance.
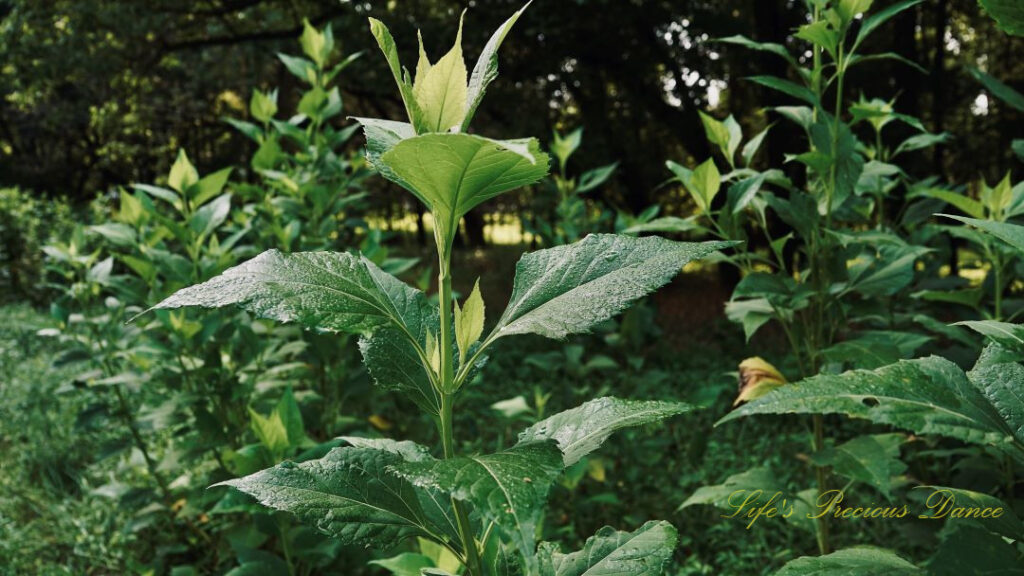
(387, 45)
(786, 87)
(263, 105)
(329, 291)
(117, 234)
(210, 186)
(270, 431)
(405, 564)
(1012, 234)
(299, 67)
(567, 289)
(469, 321)
(965, 204)
(593, 178)
(1005, 333)
(926, 396)
(349, 495)
(452, 173)
(314, 43)
(1007, 524)
(583, 429)
(849, 9)
(208, 218)
(508, 488)
(742, 193)
(820, 33)
(777, 49)
(873, 460)
(751, 147)
(440, 89)
(705, 184)
(183, 174)
(381, 136)
(726, 135)
(751, 480)
(486, 68)
(881, 17)
(875, 348)
(1002, 383)
(643, 552)
(919, 141)
(862, 561)
(1009, 14)
(966, 548)
(564, 146)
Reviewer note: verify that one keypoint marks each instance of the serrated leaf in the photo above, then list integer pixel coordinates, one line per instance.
(1009, 14)
(872, 459)
(452, 173)
(1002, 383)
(509, 488)
(349, 495)
(567, 289)
(469, 321)
(643, 552)
(581, 430)
(926, 396)
(440, 89)
(863, 561)
(486, 68)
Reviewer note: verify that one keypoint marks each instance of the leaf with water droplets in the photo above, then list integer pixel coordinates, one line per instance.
(583, 429)
(863, 561)
(927, 396)
(349, 495)
(568, 289)
(509, 487)
(643, 552)
(333, 292)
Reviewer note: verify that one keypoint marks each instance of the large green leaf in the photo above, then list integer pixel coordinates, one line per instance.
(1009, 14)
(349, 495)
(643, 552)
(864, 561)
(486, 69)
(1005, 333)
(568, 289)
(1006, 524)
(583, 429)
(509, 488)
(381, 136)
(452, 173)
(1002, 384)
(335, 292)
(927, 396)
(328, 291)
(966, 548)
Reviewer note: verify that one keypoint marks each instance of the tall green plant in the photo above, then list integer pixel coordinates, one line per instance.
(486, 509)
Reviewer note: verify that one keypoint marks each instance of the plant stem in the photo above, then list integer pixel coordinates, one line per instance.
(822, 521)
(447, 377)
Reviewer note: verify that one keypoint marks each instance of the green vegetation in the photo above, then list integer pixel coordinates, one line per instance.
(262, 366)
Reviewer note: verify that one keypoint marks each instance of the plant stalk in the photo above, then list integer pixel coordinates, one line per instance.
(447, 378)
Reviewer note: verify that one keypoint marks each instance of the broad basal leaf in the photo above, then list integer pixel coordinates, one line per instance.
(452, 173)
(568, 289)
(927, 396)
(349, 495)
(583, 429)
(509, 488)
(864, 561)
(643, 552)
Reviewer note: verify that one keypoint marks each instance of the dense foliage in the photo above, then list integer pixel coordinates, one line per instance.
(253, 366)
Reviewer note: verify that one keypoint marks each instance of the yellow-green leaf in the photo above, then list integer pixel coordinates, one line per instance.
(469, 321)
(440, 89)
(183, 174)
